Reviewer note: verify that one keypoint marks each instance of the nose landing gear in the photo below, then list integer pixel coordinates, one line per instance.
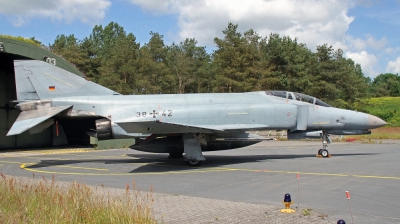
(325, 141)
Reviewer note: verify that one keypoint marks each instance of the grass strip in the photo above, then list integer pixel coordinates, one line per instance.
(386, 132)
(44, 201)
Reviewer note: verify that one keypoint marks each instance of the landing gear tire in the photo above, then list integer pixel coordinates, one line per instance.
(175, 155)
(319, 151)
(193, 162)
(324, 153)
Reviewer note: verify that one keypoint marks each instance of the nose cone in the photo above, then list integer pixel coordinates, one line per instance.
(375, 122)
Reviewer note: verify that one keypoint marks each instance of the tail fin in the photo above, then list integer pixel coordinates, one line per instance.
(36, 80)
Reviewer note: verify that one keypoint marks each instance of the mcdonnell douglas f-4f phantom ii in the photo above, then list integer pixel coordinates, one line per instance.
(178, 124)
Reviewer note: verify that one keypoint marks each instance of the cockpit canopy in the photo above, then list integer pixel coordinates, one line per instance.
(298, 96)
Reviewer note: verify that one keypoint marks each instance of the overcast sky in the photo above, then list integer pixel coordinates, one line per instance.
(368, 31)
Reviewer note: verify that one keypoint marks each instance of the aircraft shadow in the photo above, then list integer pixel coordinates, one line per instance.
(161, 163)
(214, 161)
(49, 163)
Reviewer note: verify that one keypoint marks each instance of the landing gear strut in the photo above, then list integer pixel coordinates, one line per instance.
(325, 141)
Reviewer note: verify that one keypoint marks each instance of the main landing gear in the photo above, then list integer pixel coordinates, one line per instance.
(325, 141)
(192, 148)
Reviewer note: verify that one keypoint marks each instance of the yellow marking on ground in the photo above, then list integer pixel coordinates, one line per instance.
(315, 173)
(48, 151)
(83, 168)
(119, 157)
(332, 174)
(99, 156)
(309, 173)
(64, 151)
(376, 177)
(123, 174)
(25, 166)
(10, 162)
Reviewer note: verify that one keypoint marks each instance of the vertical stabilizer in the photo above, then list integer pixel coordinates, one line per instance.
(37, 80)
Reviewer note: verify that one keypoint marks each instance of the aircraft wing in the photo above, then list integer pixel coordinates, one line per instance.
(32, 118)
(156, 127)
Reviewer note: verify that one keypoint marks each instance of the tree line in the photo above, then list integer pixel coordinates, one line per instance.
(241, 62)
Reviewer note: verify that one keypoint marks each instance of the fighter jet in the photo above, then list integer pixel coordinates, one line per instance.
(183, 125)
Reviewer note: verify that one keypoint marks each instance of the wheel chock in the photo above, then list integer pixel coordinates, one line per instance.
(319, 156)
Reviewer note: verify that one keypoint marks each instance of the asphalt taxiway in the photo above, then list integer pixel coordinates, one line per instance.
(259, 174)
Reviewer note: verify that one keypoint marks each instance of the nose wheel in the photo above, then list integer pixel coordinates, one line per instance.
(323, 153)
(325, 141)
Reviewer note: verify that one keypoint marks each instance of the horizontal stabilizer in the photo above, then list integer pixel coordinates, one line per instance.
(156, 127)
(29, 119)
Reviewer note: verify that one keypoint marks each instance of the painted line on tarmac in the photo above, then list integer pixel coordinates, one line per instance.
(25, 166)
(97, 156)
(332, 174)
(65, 151)
(46, 151)
(315, 173)
(82, 168)
(9, 162)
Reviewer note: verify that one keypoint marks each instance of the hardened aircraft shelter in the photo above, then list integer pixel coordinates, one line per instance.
(11, 50)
